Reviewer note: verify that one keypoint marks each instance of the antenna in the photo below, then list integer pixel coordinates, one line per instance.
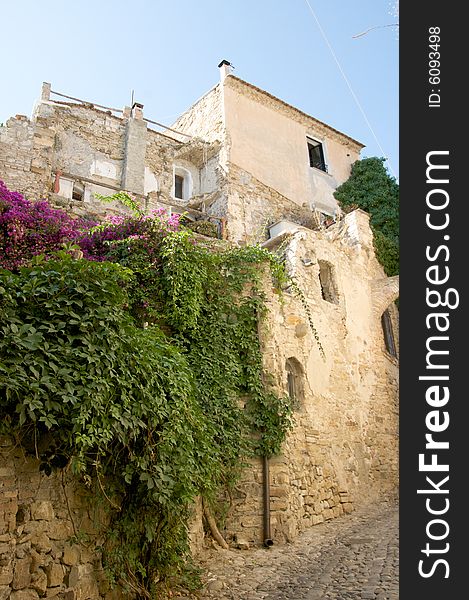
(131, 98)
(376, 27)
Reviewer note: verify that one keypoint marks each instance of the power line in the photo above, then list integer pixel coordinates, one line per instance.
(354, 96)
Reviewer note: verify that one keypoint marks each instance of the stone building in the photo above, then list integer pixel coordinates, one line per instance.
(262, 171)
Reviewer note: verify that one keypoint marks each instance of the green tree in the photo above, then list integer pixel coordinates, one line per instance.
(372, 189)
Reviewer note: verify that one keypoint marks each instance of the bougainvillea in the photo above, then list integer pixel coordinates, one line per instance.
(99, 242)
(31, 228)
(28, 229)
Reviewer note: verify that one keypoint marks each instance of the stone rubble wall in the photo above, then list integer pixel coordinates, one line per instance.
(41, 555)
(253, 206)
(84, 142)
(24, 157)
(343, 450)
(204, 119)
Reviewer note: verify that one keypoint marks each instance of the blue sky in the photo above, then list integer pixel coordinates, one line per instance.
(168, 51)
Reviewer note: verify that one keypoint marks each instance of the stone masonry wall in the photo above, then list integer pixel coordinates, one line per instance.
(204, 119)
(343, 450)
(41, 555)
(24, 157)
(51, 531)
(83, 143)
(252, 207)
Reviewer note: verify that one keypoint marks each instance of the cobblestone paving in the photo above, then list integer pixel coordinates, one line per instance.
(354, 557)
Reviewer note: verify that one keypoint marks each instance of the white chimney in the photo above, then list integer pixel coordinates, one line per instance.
(225, 69)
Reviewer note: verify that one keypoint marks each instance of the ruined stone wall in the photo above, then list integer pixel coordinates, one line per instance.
(205, 118)
(66, 143)
(159, 160)
(252, 207)
(25, 150)
(343, 450)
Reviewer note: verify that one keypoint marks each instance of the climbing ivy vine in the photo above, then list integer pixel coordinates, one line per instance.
(140, 366)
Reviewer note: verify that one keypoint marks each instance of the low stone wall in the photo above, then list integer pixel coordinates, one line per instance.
(49, 529)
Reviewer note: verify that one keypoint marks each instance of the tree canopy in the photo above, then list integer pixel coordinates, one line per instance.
(372, 189)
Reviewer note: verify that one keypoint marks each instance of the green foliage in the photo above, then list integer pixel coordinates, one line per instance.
(124, 198)
(373, 190)
(204, 227)
(164, 412)
(387, 252)
(119, 400)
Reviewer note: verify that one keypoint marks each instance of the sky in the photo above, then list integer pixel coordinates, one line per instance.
(168, 52)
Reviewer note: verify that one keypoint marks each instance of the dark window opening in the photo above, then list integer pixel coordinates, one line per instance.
(291, 387)
(316, 155)
(78, 191)
(386, 324)
(294, 381)
(178, 185)
(327, 280)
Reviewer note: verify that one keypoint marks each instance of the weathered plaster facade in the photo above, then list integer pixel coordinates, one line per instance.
(243, 157)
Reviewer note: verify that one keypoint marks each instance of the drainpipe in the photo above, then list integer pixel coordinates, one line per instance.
(266, 485)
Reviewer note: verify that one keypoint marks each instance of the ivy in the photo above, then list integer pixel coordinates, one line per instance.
(141, 364)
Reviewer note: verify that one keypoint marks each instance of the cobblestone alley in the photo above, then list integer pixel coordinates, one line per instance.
(354, 557)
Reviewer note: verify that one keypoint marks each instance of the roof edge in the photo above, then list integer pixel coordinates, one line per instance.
(297, 110)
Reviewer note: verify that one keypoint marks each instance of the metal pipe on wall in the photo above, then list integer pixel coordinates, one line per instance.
(268, 541)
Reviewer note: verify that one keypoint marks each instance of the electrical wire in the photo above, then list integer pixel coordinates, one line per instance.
(349, 85)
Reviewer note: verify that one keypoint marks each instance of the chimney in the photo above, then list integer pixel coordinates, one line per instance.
(137, 110)
(225, 69)
(45, 91)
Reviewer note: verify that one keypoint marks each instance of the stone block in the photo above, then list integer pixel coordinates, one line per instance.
(6, 574)
(6, 548)
(278, 492)
(71, 555)
(42, 511)
(61, 530)
(4, 592)
(82, 579)
(24, 595)
(55, 575)
(278, 504)
(6, 537)
(21, 573)
(79, 573)
(39, 582)
(318, 519)
(41, 543)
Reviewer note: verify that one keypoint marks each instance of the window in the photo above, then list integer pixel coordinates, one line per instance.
(182, 184)
(178, 186)
(316, 155)
(294, 381)
(388, 333)
(327, 280)
(78, 191)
